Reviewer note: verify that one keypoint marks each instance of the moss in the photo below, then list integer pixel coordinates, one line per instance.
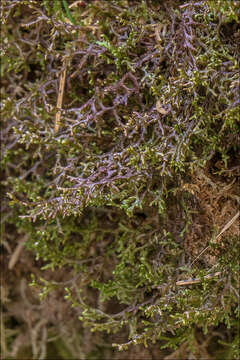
(141, 175)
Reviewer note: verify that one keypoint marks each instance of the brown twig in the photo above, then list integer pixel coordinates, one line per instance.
(227, 226)
(60, 95)
(196, 280)
(15, 255)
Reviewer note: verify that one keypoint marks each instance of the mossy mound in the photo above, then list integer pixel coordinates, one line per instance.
(120, 157)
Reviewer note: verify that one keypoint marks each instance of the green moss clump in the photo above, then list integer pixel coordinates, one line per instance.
(141, 175)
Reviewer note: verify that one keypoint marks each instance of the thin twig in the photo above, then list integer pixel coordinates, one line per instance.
(15, 255)
(76, 3)
(197, 280)
(227, 226)
(60, 95)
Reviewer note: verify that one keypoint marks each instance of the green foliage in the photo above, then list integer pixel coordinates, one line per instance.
(150, 99)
